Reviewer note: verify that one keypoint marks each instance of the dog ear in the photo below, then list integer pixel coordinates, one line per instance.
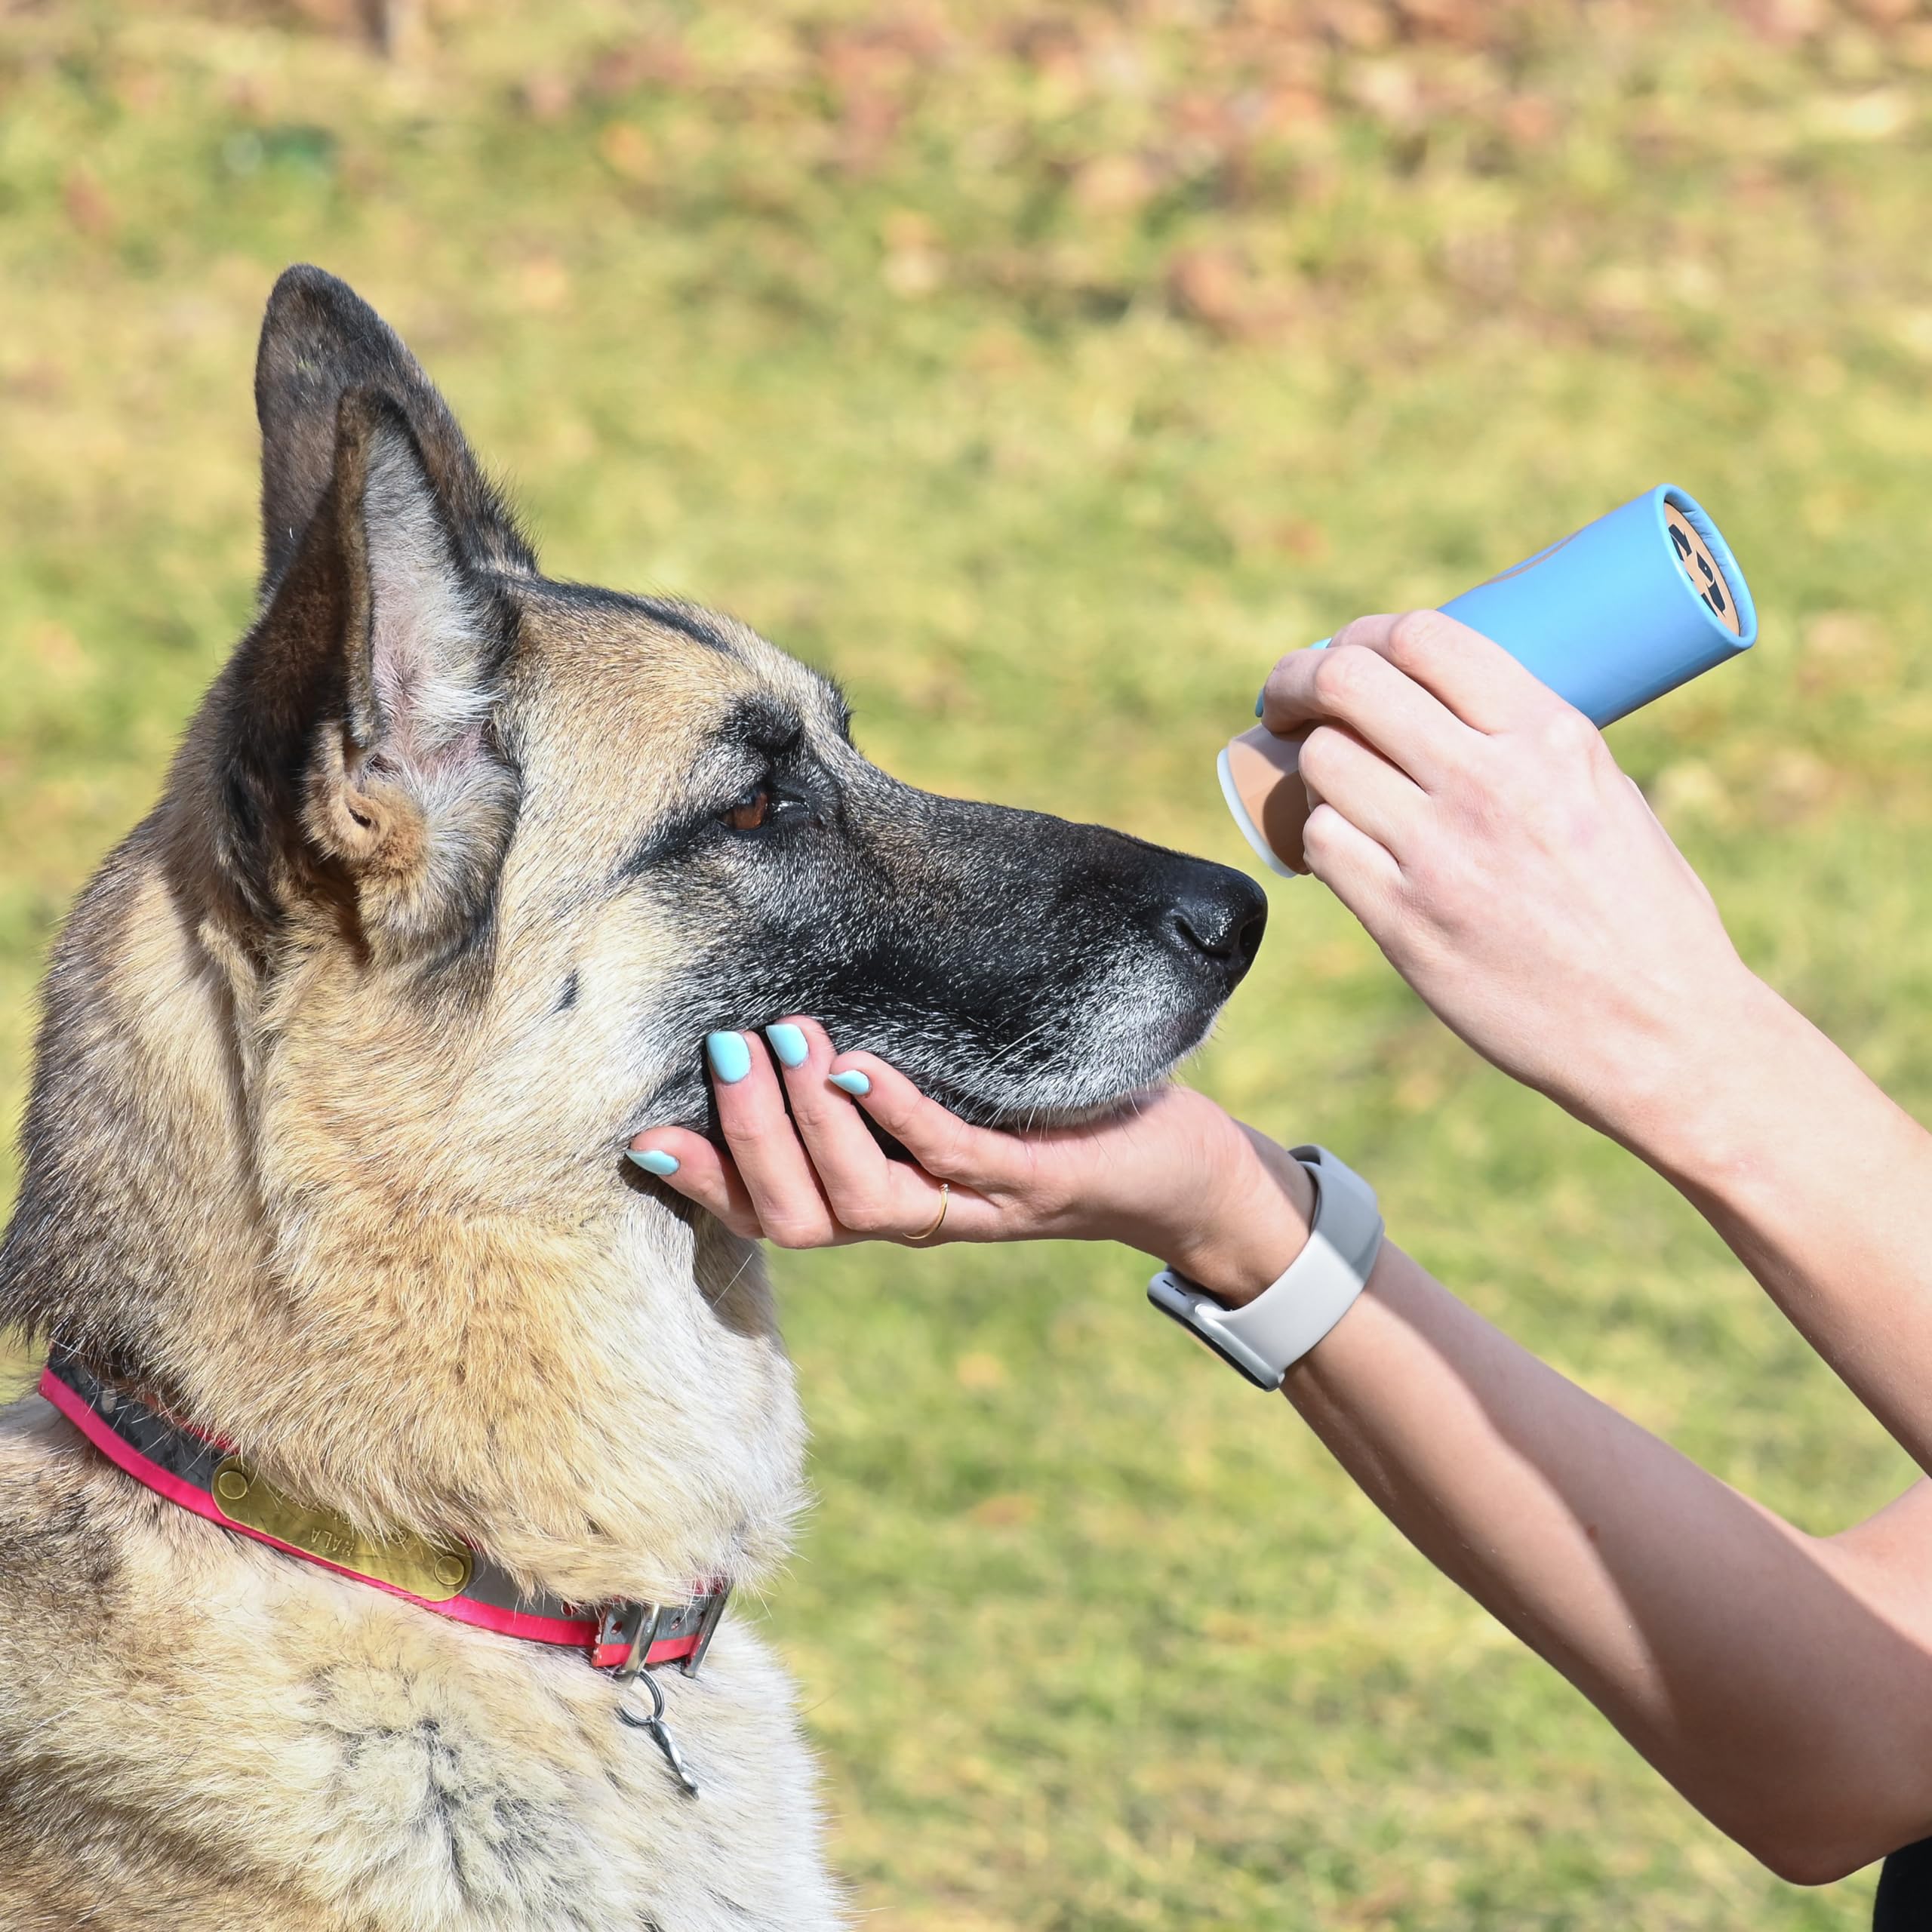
(320, 339)
(412, 796)
(354, 747)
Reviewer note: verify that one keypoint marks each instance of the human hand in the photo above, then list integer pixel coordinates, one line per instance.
(1479, 828)
(1171, 1173)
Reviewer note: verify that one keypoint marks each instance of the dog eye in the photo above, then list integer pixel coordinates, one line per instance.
(751, 811)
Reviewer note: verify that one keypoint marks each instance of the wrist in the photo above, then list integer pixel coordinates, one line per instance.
(1263, 1337)
(1254, 1232)
(1701, 1109)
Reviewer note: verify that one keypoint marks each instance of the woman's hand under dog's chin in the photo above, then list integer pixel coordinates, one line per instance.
(1167, 1172)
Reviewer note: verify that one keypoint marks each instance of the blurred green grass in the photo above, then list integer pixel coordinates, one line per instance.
(1044, 372)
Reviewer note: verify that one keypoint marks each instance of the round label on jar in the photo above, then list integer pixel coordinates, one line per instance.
(1706, 576)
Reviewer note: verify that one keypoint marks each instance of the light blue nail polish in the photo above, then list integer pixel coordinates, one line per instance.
(788, 1042)
(729, 1055)
(1258, 701)
(853, 1082)
(653, 1162)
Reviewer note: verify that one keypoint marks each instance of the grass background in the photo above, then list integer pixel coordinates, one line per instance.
(1045, 371)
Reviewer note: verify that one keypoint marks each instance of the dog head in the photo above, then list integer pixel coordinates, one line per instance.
(560, 834)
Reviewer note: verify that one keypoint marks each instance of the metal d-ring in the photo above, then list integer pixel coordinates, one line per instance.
(661, 1733)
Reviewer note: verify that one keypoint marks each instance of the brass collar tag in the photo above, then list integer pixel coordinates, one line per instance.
(412, 1563)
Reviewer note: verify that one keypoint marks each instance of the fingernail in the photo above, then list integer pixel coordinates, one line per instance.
(653, 1162)
(853, 1082)
(788, 1042)
(1258, 701)
(729, 1055)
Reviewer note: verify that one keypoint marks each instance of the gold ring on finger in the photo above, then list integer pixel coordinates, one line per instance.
(939, 1219)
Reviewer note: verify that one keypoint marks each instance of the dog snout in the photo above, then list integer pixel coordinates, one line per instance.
(1217, 915)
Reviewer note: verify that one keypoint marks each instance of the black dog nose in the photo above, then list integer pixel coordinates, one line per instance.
(1221, 913)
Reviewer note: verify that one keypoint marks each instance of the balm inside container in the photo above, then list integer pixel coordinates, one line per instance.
(1617, 614)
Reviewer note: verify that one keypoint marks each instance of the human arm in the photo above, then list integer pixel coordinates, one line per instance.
(1779, 1681)
(1479, 828)
(1784, 1683)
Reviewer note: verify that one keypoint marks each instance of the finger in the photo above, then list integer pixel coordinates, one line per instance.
(1344, 684)
(698, 1171)
(750, 1110)
(1360, 873)
(1472, 674)
(867, 1192)
(1339, 770)
(943, 1144)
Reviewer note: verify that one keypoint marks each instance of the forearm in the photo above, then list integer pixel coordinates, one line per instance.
(1743, 1658)
(1821, 1185)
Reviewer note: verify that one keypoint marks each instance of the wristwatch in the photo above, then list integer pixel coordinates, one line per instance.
(1274, 1330)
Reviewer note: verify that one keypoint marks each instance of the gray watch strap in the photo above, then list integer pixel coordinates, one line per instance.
(1282, 1323)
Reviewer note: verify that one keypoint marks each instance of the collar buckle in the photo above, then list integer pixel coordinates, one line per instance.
(640, 1627)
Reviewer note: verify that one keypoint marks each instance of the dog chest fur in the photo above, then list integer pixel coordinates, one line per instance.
(336, 1757)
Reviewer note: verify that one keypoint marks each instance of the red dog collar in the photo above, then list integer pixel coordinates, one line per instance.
(203, 1475)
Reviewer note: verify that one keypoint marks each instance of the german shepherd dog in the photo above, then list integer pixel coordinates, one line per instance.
(324, 1183)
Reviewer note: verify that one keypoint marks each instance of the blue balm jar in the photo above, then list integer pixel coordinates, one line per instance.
(1615, 614)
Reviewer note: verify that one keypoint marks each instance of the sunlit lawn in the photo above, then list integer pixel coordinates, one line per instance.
(1090, 1637)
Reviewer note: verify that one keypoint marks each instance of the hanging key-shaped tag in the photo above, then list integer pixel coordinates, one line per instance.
(660, 1732)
